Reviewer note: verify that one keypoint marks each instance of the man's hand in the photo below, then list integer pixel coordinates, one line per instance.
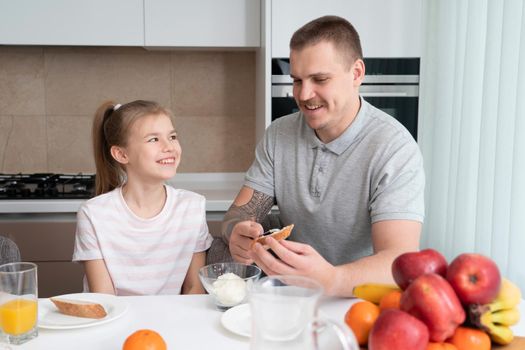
(241, 240)
(295, 259)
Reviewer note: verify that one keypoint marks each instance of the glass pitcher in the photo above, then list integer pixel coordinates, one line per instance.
(284, 316)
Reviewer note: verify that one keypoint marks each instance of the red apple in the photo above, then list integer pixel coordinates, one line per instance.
(475, 278)
(409, 266)
(431, 299)
(397, 330)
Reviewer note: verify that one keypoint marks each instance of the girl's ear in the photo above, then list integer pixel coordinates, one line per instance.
(119, 154)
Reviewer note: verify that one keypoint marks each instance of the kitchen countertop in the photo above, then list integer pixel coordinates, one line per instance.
(219, 189)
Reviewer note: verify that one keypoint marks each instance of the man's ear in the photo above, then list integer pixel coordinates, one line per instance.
(358, 69)
(119, 154)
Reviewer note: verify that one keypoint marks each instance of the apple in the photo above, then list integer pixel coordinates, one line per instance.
(397, 330)
(431, 299)
(409, 266)
(475, 278)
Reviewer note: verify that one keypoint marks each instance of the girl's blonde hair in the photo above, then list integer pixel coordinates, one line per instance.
(111, 127)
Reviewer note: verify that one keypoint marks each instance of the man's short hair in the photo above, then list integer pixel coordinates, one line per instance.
(334, 29)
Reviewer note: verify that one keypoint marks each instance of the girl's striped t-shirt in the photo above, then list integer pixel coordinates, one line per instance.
(143, 256)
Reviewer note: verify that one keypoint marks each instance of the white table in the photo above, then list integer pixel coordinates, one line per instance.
(185, 321)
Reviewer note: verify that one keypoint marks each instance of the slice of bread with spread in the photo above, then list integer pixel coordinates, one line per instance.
(79, 308)
(278, 235)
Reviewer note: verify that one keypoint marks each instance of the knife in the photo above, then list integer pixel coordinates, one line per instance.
(270, 231)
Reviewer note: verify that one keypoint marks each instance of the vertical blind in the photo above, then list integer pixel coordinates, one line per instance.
(472, 130)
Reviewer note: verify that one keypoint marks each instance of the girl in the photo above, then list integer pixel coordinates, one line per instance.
(139, 236)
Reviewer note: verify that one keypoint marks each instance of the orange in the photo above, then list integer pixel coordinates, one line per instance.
(465, 338)
(391, 300)
(360, 318)
(145, 339)
(441, 346)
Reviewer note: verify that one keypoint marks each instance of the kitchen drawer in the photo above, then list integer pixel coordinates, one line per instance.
(56, 278)
(41, 241)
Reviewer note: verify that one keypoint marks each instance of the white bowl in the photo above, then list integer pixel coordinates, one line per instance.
(231, 289)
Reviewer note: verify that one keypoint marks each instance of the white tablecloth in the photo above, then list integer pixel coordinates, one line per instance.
(185, 321)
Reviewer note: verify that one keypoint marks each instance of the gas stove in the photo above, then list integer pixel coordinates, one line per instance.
(47, 186)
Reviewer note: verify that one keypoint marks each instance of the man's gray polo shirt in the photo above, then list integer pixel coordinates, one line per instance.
(333, 192)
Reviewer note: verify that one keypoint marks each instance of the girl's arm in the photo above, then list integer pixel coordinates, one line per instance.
(192, 283)
(98, 277)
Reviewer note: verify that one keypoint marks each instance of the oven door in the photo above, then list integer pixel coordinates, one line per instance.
(283, 102)
(400, 101)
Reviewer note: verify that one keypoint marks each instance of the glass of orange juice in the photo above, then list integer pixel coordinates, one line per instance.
(18, 302)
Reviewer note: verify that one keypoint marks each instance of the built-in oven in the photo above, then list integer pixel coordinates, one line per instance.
(390, 84)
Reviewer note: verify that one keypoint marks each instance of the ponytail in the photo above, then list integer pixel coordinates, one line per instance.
(109, 172)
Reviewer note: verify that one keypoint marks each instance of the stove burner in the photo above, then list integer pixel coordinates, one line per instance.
(47, 186)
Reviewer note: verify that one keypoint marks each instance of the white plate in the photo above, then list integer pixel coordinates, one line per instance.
(238, 320)
(50, 318)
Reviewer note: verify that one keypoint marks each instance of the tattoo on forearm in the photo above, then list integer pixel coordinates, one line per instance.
(256, 210)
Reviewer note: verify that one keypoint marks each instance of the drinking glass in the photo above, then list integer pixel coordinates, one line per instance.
(18, 302)
(284, 316)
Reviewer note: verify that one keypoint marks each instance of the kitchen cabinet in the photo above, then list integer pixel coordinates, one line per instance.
(386, 28)
(152, 23)
(72, 22)
(48, 240)
(202, 23)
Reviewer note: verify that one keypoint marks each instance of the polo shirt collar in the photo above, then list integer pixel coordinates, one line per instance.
(340, 144)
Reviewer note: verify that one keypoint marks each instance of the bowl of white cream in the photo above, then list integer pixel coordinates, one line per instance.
(228, 282)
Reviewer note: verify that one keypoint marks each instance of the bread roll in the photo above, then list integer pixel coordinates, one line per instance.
(79, 308)
(279, 235)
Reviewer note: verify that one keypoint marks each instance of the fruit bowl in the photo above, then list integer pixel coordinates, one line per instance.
(228, 283)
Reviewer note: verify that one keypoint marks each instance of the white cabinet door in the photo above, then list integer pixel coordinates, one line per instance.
(202, 23)
(387, 28)
(72, 22)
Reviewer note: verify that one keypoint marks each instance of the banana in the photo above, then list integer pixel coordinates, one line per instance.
(507, 317)
(373, 292)
(508, 297)
(501, 334)
(495, 324)
(496, 316)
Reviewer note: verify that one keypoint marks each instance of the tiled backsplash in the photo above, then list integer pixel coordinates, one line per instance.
(48, 96)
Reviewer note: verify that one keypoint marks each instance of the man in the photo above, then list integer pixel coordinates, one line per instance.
(348, 176)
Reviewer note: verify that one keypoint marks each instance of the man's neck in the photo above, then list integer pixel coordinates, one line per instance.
(327, 135)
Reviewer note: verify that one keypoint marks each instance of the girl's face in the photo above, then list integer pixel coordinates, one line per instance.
(153, 151)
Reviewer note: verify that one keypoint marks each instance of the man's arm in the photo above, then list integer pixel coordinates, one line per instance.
(241, 222)
(390, 239)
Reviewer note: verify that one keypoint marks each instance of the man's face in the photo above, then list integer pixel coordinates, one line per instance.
(326, 88)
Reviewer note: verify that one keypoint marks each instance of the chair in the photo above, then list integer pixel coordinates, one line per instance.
(8, 251)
